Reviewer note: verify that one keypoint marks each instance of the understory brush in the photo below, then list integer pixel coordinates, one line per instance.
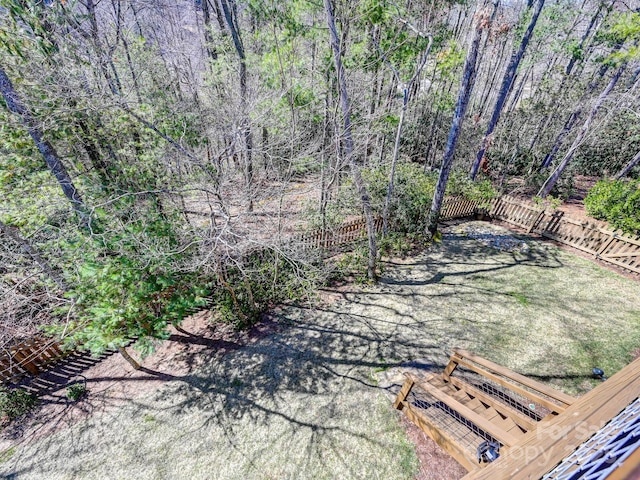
(617, 202)
(14, 403)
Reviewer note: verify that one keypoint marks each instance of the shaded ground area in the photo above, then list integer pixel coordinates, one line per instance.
(308, 396)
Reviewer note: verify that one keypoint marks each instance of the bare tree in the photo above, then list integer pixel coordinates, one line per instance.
(468, 78)
(627, 168)
(407, 88)
(577, 142)
(348, 141)
(230, 14)
(14, 234)
(505, 88)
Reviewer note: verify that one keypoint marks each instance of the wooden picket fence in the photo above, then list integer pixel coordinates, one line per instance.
(592, 236)
(345, 234)
(32, 356)
(458, 207)
(350, 232)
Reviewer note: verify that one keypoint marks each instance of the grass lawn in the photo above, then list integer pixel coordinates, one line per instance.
(304, 402)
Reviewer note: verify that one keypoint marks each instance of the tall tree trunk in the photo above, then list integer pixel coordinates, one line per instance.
(577, 142)
(468, 78)
(575, 115)
(46, 149)
(208, 39)
(489, 80)
(104, 60)
(348, 141)
(230, 16)
(507, 82)
(627, 168)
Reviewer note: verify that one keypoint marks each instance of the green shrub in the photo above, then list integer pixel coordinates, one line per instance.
(15, 402)
(413, 192)
(400, 244)
(76, 391)
(617, 202)
(250, 286)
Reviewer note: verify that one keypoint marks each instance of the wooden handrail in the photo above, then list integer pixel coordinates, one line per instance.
(510, 380)
(565, 399)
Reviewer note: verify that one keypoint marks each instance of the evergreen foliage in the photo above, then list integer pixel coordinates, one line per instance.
(617, 202)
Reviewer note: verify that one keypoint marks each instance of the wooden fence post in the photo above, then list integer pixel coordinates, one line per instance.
(536, 221)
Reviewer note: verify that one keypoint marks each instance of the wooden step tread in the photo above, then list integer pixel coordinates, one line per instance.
(482, 423)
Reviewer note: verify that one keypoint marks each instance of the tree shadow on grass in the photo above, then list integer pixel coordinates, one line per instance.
(307, 390)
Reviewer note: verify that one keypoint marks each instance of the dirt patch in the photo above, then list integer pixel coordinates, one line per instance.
(435, 463)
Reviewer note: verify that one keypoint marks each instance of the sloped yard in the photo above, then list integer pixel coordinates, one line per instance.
(308, 399)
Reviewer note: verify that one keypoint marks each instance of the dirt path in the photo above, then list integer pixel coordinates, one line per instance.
(309, 395)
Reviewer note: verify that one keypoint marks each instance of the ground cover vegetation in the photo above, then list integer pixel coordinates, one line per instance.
(150, 151)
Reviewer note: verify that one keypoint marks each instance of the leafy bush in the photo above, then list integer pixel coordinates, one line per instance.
(413, 192)
(118, 298)
(401, 244)
(15, 402)
(76, 391)
(617, 202)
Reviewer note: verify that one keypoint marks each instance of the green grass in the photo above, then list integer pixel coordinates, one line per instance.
(6, 455)
(302, 404)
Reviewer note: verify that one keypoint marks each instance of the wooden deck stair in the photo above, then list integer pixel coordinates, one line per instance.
(485, 402)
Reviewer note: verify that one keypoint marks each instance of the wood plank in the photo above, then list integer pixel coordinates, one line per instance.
(605, 245)
(540, 387)
(492, 415)
(24, 362)
(622, 264)
(520, 418)
(540, 451)
(510, 426)
(620, 255)
(403, 393)
(442, 438)
(448, 370)
(534, 397)
(479, 421)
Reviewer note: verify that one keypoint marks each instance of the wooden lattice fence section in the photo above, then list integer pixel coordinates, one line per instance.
(29, 357)
(345, 234)
(458, 207)
(592, 236)
(350, 232)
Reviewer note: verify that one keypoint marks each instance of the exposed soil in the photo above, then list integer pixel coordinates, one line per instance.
(435, 463)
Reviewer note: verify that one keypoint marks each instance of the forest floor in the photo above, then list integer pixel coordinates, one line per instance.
(307, 392)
